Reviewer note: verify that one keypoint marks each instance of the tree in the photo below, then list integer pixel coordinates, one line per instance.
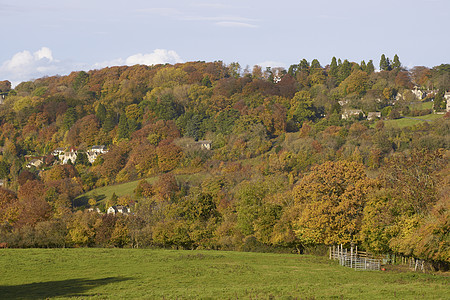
(5, 86)
(101, 113)
(334, 68)
(385, 65)
(122, 132)
(344, 70)
(370, 68)
(396, 65)
(9, 210)
(302, 107)
(82, 159)
(330, 202)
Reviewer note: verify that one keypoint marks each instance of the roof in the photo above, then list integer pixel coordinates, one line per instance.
(204, 142)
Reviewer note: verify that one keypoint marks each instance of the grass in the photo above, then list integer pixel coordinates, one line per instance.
(127, 188)
(411, 121)
(170, 274)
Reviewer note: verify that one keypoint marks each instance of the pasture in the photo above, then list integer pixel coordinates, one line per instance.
(174, 274)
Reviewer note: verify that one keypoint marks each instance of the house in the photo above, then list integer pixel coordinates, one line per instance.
(118, 209)
(418, 93)
(352, 113)
(205, 144)
(95, 151)
(94, 209)
(92, 156)
(2, 183)
(447, 97)
(68, 155)
(2, 98)
(373, 115)
(37, 163)
(58, 151)
(99, 149)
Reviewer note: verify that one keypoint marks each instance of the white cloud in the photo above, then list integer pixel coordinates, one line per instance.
(236, 24)
(158, 56)
(24, 66)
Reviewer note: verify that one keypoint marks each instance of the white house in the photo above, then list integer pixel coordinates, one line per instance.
(205, 144)
(58, 151)
(118, 209)
(351, 113)
(68, 155)
(99, 149)
(92, 156)
(373, 115)
(418, 93)
(447, 97)
(37, 163)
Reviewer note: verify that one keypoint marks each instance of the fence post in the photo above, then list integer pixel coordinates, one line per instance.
(365, 263)
(329, 248)
(351, 257)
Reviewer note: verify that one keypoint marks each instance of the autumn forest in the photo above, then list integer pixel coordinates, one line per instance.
(231, 158)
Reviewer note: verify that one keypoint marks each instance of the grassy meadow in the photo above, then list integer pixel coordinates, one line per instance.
(411, 121)
(174, 274)
(127, 188)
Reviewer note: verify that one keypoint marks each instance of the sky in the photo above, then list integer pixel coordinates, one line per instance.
(54, 37)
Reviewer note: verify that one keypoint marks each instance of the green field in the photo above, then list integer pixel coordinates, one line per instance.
(411, 121)
(170, 274)
(128, 188)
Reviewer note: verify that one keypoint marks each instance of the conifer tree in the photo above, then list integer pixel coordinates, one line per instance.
(123, 127)
(385, 64)
(370, 68)
(101, 113)
(396, 65)
(334, 67)
(363, 66)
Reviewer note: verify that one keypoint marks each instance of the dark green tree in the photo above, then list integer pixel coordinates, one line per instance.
(334, 67)
(101, 113)
(385, 64)
(82, 159)
(315, 64)
(396, 65)
(206, 81)
(363, 66)
(370, 68)
(122, 132)
(303, 65)
(70, 117)
(344, 70)
(109, 123)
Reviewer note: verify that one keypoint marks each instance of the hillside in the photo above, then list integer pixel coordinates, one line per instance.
(210, 156)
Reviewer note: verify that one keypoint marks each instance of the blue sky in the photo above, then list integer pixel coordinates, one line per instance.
(49, 37)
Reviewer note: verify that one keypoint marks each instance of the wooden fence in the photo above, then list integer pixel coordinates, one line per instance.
(354, 259)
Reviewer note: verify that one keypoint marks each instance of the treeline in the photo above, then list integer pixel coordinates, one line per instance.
(285, 170)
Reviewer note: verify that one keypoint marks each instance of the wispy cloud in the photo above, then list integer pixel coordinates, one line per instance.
(25, 65)
(220, 20)
(211, 5)
(235, 24)
(272, 64)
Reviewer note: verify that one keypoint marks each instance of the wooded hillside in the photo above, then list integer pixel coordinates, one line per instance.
(297, 157)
